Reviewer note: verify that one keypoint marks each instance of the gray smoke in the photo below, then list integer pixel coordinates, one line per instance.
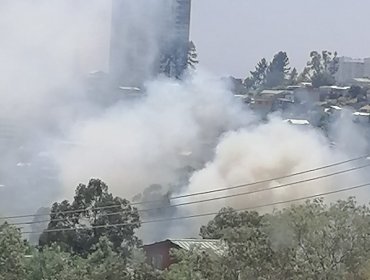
(178, 137)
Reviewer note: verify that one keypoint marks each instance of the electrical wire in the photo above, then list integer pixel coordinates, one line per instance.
(204, 214)
(191, 194)
(210, 199)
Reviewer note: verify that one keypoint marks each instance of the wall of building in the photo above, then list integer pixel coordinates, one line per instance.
(158, 254)
(367, 67)
(350, 68)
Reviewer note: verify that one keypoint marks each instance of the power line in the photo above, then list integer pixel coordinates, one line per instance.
(191, 194)
(213, 198)
(206, 214)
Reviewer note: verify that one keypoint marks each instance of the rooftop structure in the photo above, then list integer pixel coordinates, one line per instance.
(158, 254)
(350, 68)
(297, 122)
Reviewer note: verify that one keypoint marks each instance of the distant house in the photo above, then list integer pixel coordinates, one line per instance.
(297, 122)
(361, 117)
(362, 82)
(270, 99)
(307, 94)
(159, 255)
(350, 68)
(365, 109)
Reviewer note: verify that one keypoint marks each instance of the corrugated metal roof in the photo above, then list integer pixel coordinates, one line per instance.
(217, 246)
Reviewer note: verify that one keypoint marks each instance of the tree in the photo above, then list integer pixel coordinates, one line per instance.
(192, 55)
(198, 264)
(328, 242)
(52, 263)
(258, 76)
(12, 254)
(307, 241)
(168, 65)
(321, 68)
(277, 70)
(93, 213)
(228, 219)
(39, 224)
(293, 77)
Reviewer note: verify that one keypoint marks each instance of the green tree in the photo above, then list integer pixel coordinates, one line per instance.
(258, 76)
(228, 219)
(278, 70)
(312, 240)
(197, 264)
(92, 214)
(52, 263)
(293, 77)
(105, 263)
(12, 254)
(321, 68)
(192, 55)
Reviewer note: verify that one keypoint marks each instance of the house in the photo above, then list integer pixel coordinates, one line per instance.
(159, 254)
(362, 82)
(365, 109)
(361, 117)
(350, 68)
(307, 94)
(270, 100)
(333, 92)
(297, 122)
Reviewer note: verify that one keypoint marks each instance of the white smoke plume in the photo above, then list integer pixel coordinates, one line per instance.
(134, 145)
(47, 49)
(276, 149)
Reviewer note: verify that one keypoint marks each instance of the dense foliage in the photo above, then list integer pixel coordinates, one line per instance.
(312, 240)
(91, 215)
(308, 241)
(320, 71)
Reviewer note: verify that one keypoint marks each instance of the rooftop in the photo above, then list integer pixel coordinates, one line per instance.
(215, 245)
(361, 114)
(362, 80)
(365, 108)
(297, 122)
(204, 244)
(272, 91)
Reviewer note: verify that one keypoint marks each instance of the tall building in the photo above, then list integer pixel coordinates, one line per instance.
(174, 53)
(350, 68)
(148, 37)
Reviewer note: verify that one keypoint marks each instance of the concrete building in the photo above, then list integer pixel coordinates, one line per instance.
(350, 68)
(174, 54)
(148, 37)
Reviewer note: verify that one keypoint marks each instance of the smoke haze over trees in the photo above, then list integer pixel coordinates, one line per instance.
(303, 241)
(168, 139)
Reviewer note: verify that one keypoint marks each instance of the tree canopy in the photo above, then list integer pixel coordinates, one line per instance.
(311, 240)
(307, 241)
(90, 216)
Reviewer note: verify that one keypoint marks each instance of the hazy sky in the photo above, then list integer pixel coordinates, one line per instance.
(232, 35)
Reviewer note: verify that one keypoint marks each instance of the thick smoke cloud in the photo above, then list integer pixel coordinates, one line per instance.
(136, 144)
(47, 47)
(179, 137)
(272, 150)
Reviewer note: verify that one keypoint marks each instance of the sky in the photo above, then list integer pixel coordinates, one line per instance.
(233, 35)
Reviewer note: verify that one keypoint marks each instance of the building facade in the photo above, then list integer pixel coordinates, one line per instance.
(159, 254)
(350, 68)
(148, 37)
